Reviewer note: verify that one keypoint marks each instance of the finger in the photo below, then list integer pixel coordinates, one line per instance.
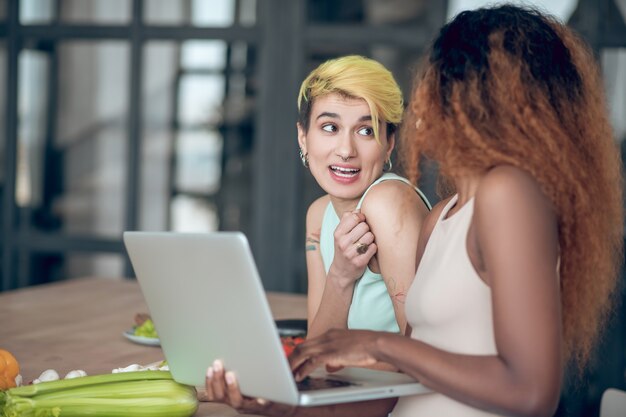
(348, 221)
(218, 382)
(333, 368)
(358, 214)
(263, 403)
(209, 384)
(362, 244)
(357, 233)
(367, 238)
(296, 360)
(307, 367)
(232, 387)
(348, 241)
(371, 251)
(307, 346)
(298, 357)
(256, 406)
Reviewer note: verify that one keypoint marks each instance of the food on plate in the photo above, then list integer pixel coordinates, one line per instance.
(145, 393)
(144, 326)
(9, 370)
(290, 342)
(140, 318)
(146, 329)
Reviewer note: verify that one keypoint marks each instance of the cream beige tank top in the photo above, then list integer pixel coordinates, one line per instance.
(448, 306)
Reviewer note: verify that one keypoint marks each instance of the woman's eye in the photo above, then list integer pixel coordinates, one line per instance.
(329, 128)
(366, 131)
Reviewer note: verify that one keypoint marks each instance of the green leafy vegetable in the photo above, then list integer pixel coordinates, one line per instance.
(146, 329)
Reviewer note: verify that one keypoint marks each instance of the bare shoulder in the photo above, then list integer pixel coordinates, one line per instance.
(315, 213)
(510, 202)
(508, 188)
(392, 197)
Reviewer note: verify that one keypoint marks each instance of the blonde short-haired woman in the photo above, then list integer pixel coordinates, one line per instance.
(361, 237)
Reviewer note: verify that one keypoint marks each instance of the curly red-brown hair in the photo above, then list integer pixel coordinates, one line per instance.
(508, 85)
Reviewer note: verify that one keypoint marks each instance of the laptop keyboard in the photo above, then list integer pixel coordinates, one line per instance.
(310, 384)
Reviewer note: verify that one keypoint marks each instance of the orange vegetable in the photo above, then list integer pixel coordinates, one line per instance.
(9, 369)
(290, 342)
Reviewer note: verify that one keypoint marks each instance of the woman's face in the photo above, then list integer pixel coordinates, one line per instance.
(344, 156)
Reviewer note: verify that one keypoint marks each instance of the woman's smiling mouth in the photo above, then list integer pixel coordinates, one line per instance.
(344, 173)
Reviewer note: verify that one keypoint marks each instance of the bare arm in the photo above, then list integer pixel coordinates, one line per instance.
(515, 233)
(395, 214)
(316, 272)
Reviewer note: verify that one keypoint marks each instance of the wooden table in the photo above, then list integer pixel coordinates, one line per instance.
(78, 324)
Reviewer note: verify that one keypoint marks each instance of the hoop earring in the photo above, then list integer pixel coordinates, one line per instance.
(388, 165)
(304, 157)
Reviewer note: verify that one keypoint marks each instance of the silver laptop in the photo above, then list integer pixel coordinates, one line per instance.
(207, 302)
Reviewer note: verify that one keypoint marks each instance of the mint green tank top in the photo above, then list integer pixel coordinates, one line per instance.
(371, 306)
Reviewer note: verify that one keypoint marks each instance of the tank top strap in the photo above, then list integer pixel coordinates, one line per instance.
(448, 207)
(391, 176)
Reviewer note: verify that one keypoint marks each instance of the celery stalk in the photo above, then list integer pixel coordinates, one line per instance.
(132, 394)
(63, 384)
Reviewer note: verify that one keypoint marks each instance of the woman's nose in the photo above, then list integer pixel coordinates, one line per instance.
(345, 147)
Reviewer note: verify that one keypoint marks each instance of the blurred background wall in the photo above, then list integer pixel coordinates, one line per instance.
(180, 115)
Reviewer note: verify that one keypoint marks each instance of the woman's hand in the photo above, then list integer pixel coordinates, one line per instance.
(336, 349)
(354, 247)
(222, 386)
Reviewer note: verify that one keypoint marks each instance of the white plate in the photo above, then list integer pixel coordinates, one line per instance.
(142, 340)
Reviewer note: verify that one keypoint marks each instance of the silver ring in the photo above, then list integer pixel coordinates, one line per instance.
(361, 248)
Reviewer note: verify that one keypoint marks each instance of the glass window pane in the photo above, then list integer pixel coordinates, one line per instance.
(190, 214)
(96, 11)
(202, 13)
(614, 73)
(203, 54)
(33, 12)
(166, 12)
(200, 99)
(212, 13)
(198, 161)
(247, 12)
(239, 56)
(86, 265)
(32, 117)
(181, 152)
(197, 137)
(158, 97)
(92, 136)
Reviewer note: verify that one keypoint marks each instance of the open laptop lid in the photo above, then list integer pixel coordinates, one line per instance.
(207, 302)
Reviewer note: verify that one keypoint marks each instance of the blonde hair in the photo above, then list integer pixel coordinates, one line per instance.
(357, 77)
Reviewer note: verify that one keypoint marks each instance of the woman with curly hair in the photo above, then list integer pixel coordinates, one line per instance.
(517, 269)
